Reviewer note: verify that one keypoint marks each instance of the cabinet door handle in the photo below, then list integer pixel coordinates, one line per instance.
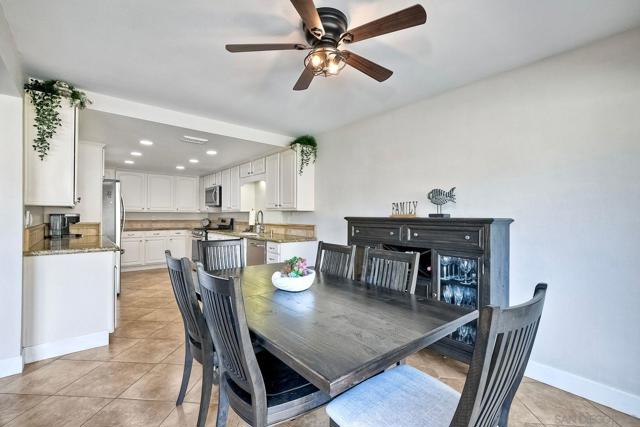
(357, 231)
(391, 233)
(415, 234)
(467, 237)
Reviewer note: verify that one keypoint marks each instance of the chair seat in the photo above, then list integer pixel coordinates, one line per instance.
(399, 397)
(288, 393)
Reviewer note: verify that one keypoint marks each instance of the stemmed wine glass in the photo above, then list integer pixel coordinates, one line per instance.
(466, 265)
(446, 262)
(447, 294)
(458, 294)
(463, 333)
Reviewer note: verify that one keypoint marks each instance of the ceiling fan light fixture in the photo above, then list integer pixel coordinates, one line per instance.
(325, 61)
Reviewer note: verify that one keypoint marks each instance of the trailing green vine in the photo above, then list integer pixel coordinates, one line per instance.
(46, 97)
(308, 150)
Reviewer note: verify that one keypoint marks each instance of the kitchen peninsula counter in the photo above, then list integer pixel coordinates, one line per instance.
(71, 245)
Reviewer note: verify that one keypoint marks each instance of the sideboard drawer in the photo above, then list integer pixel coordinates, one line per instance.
(375, 234)
(469, 237)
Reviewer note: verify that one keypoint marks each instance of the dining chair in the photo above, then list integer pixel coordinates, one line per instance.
(337, 260)
(222, 254)
(405, 396)
(390, 269)
(198, 344)
(259, 387)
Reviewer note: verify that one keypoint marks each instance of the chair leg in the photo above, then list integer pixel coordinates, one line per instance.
(186, 373)
(223, 407)
(205, 396)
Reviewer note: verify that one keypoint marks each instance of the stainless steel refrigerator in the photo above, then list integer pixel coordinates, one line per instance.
(113, 216)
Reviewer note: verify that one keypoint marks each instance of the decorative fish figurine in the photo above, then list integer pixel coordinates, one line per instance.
(440, 197)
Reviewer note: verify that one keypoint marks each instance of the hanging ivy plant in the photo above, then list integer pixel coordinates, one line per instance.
(308, 150)
(46, 97)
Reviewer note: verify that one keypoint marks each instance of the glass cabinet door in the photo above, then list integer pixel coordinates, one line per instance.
(457, 283)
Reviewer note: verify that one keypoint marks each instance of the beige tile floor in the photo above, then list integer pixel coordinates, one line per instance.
(134, 381)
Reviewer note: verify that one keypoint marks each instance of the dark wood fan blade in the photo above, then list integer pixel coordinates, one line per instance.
(410, 17)
(260, 47)
(309, 14)
(371, 69)
(305, 79)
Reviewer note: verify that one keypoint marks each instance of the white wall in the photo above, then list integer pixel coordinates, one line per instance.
(554, 145)
(10, 235)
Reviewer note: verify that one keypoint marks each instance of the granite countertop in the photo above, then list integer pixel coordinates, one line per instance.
(78, 245)
(160, 228)
(267, 237)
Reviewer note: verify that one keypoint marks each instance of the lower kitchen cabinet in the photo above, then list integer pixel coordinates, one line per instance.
(280, 252)
(133, 252)
(145, 249)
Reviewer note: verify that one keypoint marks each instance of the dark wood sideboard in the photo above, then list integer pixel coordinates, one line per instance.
(463, 261)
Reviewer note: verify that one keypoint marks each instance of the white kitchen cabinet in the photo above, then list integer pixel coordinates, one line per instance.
(89, 189)
(133, 186)
(258, 166)
(185, 193)
(177, 245)
(217, 180)
(272, 178)
(52, 181)
(280, 252)
(160, 193)
(226, 190)
(288, 180)
(154, 248)
(234, 188)
(286, 188)
(245, 170)
(133, 251)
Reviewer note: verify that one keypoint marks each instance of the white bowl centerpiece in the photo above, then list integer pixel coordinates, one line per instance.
(294, 276)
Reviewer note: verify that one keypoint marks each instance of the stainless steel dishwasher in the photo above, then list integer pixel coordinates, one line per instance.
(256, 252)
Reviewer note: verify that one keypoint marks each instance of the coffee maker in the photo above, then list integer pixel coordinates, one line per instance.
(59, 224)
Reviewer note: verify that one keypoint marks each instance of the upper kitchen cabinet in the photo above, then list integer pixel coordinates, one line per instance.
(143, 192)
(185, 193)
(160, 193)
(133, 187)
(52, 181)
(287, 189)
(252, 168)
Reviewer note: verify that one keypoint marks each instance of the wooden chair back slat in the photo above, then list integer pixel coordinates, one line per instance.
(390, 269)
(222, 254)
(505, 340)
(337, 260)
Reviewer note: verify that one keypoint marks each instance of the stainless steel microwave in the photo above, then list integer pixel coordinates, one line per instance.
(213, 196)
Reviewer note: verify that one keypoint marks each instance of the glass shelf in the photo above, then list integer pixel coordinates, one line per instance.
(458, 285)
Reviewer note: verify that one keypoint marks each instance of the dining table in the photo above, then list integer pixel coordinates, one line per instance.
(340, 332)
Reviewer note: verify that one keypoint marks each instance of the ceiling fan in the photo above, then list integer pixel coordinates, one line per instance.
(326, 30)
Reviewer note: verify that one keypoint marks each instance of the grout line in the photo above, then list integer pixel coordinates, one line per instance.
(613, 422)
(98, 411)
(529, 409)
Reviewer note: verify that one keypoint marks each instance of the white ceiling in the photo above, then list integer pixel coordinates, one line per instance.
(171, 54)
(122, 135)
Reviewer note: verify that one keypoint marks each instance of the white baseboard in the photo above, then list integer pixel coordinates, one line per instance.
(66, 346)
(601, 393)
(10, 366)
(143, 267)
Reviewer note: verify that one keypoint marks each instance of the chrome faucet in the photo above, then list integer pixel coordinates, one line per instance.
(260, 222)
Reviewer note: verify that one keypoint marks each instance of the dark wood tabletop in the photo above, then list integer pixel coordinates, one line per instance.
(340, 332)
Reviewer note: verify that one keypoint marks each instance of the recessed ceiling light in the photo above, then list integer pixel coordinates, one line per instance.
(195, 138)
(146, 142)
(193, 160)
(180, 167)
(129, 162)
(212, 152)
(136, 153)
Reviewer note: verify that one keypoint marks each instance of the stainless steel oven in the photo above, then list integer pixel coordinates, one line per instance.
(213, 196)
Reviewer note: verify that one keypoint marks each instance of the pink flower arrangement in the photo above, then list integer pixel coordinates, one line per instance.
(295, 267)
